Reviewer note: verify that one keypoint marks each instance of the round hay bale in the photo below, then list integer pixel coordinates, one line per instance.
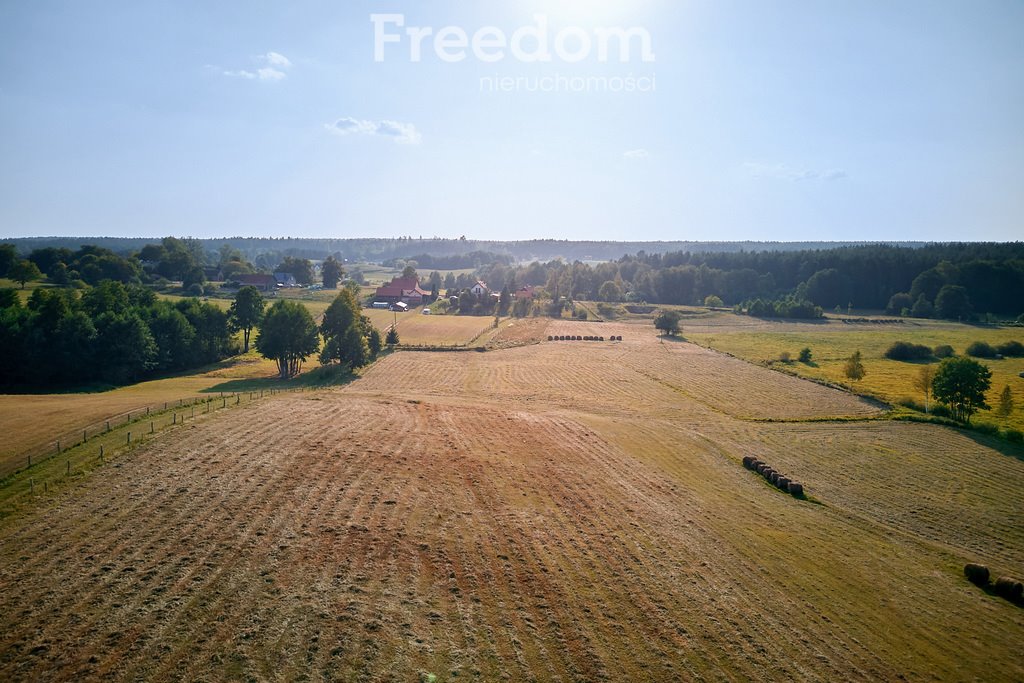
(796, 489)
(550, 338)
(976, 574)
(761, 467)
(1009, 588)
(768, 472)
(774, 478)
(783, 483)
(748, 460)
(600, 339)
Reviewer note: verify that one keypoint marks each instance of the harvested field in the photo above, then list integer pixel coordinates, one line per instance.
(563, 511)
(431, 330)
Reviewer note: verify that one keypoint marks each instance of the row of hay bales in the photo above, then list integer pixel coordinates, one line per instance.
(1005, 586)
(573, 337)
(777, 479)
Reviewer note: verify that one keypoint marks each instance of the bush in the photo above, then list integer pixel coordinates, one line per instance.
(980, 349)
(805, 355)
(943, 351)
(1013, 435)
(1011, 349)
(195, 289)
(784, 357)
(941, 410)
(905, 351)
(985, 428)
(908, 402)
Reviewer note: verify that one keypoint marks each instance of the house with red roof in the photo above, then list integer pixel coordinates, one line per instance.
(264, 283)
(404, 289)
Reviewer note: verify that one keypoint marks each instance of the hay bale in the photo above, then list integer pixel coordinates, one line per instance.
(550, 338)
(796, 490)
(600, 339)
(768, 472)
(1009, 588)
(748, 461)
(761, 467)
(783, 483)
(976, 574)
(774, 479)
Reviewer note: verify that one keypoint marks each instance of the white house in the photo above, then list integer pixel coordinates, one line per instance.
(480, 288)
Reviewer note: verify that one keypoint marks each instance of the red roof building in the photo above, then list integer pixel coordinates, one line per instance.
(406, 289)
(264, 283)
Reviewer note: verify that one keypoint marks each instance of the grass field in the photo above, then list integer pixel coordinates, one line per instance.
(28, 420)
(570, 511)
(832, 342)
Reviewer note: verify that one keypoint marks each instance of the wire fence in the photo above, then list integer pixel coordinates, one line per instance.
(147, 416)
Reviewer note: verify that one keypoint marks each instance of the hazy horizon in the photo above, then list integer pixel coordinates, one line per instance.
(795, 122)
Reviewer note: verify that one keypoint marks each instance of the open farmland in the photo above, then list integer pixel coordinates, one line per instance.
(832, 342)
(28, 420)
(570, 511)
(431, 330)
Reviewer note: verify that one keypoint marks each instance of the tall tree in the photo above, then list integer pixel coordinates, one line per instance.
(24, 271)
(332, 272)
(668, 322)
(288, 336)
(246, 312)
(952, 303)
(343, 333)
(854, 368)
(961, 384)
(1005, 406)
(923, 382)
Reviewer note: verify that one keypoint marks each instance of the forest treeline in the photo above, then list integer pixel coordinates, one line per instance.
(110, 333)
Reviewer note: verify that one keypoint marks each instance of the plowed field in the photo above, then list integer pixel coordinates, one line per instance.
(563, 511)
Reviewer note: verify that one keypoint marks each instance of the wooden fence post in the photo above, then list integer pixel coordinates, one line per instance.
(69, 466)
(58, 446)
(129, 438)
(151, 427)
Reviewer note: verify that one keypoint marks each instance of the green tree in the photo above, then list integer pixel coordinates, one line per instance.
(24, 271)
(961, 384)
(9, 297)
(392, 336)
(373, 341)
(331, 271)
(409, 272)
(342, 330)
(922, 308)
(952, 303)
(1005, 406)
(923, 383)
(668, 322)
(8, 257)
(504, 301)
(854, 368)
(246, 312)
(610, 291)
(127, 349)
(287, 335)
(805, 355)
(713, 301)
(302, 269)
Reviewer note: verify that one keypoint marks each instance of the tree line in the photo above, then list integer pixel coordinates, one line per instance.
(111, 333)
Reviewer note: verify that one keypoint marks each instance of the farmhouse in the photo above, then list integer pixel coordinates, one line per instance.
(524, 293)
(286, 279)
(480, 288)
(402, 289)
(264, 283)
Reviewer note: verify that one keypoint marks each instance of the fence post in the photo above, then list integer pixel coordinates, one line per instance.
(193, 412)
(58, 446)
(69, 466)
(31, 485)
(129, 438)
(101, 452)
(84, 438)
(108, 425)
(30, 461)
(175, 420)
(151, 427)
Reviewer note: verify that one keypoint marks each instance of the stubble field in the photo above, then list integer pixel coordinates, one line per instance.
(570, 511)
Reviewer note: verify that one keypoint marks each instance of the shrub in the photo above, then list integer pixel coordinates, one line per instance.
(941, 410)
(1013, 435)
(908, 402)
(980, 349)
(985, 428)
(805, 355)
(784, 357)
(1011, 349)
(194, 289)
(905, 351)
(943, 351)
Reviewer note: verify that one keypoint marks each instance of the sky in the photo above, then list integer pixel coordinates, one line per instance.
(722, 120)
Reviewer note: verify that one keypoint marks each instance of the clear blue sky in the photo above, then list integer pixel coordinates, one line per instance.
(770, 120)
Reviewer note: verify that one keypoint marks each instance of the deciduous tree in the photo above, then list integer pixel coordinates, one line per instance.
(246, 312)
(668, 322)
(24, 271)
(854, 368)
(288, 336)
(961, 384)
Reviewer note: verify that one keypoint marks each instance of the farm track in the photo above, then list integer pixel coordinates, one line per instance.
(560, 511)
